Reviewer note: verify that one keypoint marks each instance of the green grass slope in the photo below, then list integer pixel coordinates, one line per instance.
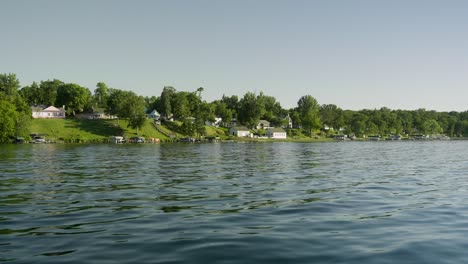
(75, 130)
(82, 130)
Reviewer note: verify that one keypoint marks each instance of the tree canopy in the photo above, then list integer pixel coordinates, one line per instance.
(193, 111)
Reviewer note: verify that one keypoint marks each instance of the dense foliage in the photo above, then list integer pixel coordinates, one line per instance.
(15, 114)
(193, 111)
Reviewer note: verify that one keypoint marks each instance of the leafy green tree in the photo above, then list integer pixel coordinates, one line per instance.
(15, 113)
(358, 123)
(135, 111)
(165, 106)
(74, 97)
(222, 111)
(180, 105)
(188, 128)
(127, 105)
(295, 118)
(431, 127)
(23, 118)
(251, 108)
(406, 121)
(332, 116)
(8, 117)
(31, 94)
(101, 94)
(232, 103)
(48, 92)
(273, 110)
(116, 102)
(9, 84)
(308, 109)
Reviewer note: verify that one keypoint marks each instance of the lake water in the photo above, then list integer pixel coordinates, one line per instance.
(343, 202)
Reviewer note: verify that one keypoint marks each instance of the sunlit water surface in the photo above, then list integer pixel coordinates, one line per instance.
(374, 202)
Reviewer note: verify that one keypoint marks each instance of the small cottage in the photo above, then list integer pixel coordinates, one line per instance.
(153, 114)
(277, 133)
(263, 124)
(41, 111)
(216, 123)
(239, 131)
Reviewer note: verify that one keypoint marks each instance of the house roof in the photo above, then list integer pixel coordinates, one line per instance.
(51, 109)
(263, 122)
(276, 129)
(152, 112)
(43, 108)
(241, 128)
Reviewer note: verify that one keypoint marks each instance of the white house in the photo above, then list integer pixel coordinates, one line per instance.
(154, 114)
(239, 131)
(277, 133)
(216, 123)
(263, 124)
(42, 111)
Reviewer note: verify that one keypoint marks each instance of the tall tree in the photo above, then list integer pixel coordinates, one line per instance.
(74, 97)
(166, 101)
(48, 92)
(8, 117)
(116, 102)
(9, 84)
(332, 116)
(232, 103)
(180, 105)
(135, 110)
(31, 94)
(251, 108)
(221, 110)
(15, 113)
(101, 94)
(308, 109)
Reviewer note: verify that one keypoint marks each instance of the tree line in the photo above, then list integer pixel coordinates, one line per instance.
(308, 117)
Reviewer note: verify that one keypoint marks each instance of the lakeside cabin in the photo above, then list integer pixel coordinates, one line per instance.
(239, 131)
(42, 111)
(276, 133)
(117, 140)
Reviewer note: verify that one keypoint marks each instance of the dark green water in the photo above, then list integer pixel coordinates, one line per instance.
(375, 202)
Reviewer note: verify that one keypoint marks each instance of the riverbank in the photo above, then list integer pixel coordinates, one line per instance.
(101, 131)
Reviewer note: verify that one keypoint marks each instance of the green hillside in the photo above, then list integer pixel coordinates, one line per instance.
(83, 131)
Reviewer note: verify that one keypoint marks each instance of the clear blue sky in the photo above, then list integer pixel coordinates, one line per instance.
(353, 53)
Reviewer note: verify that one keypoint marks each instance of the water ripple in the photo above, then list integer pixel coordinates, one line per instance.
(375, 202)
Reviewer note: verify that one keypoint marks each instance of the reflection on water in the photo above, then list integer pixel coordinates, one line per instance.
(375, 202)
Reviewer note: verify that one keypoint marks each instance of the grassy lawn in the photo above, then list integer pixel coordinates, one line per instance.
(146, 131)
(215, 131)
(75, 130)
(82, 130)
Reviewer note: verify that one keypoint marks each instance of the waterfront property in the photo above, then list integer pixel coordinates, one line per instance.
(42, 111)
(239, 131)
(276, 133)
(117, 140)
(263, 124)
(154, 114)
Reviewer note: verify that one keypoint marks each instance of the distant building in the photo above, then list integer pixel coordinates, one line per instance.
(217, 122)
(42, 111)
(263, 124)
(239, 131)
(277, 133)
(153, 114)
